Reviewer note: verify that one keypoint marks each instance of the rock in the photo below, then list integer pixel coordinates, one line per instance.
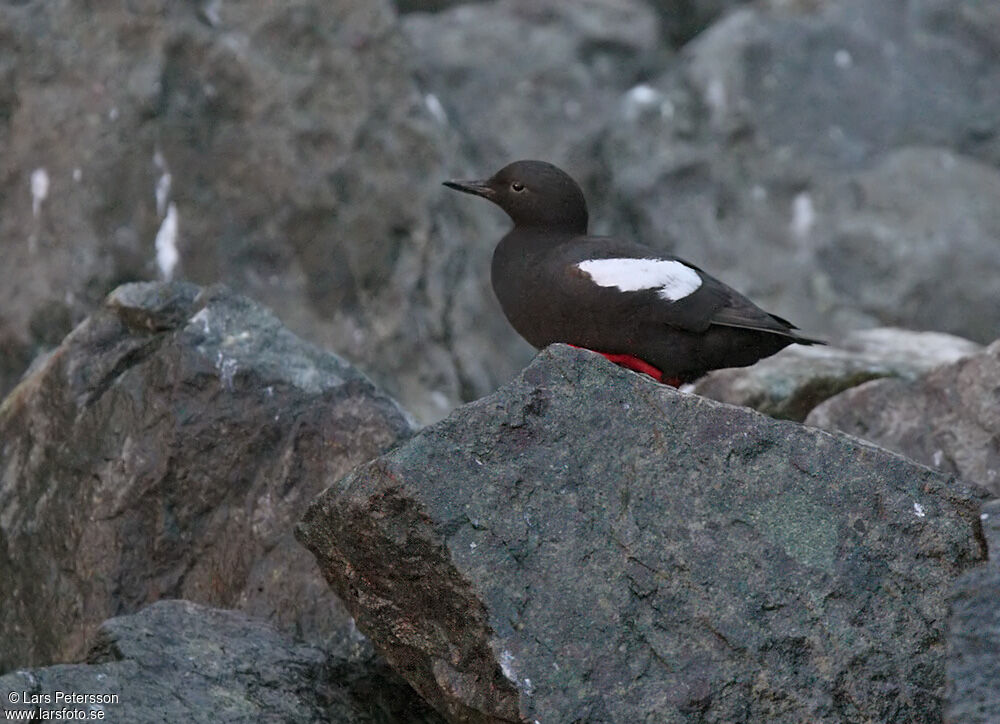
(837, 161)
(177, 661)
(948, 419)
(791, 383)
(800, 150)
(587, 545)
(426, 6)
(561, 68)
(915, 246)
(853, 51)
(974, 636)
(163, 451)
(681, 20)
(910, 353)
(284, 150)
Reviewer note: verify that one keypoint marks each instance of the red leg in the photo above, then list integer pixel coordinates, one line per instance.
(636, 364)
(633, 363)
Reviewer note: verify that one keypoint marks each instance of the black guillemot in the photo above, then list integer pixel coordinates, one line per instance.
(650, 312)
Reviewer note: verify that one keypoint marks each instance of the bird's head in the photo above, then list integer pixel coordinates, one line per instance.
(534, 194)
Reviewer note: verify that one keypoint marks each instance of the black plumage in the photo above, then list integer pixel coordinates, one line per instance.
(621, 299)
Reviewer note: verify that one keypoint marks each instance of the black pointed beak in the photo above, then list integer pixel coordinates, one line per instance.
(476, 188)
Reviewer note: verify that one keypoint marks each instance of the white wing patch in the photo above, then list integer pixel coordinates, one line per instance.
(672, 280)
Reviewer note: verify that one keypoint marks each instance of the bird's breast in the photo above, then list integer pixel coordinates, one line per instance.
(522, 277)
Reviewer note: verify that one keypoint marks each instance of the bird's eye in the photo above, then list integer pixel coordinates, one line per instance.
(517, 186)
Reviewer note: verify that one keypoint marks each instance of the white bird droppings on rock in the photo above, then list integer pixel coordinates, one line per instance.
(202, 318)
(803, 215)
(227, 367)
(918, 509)
(436, 109)
(642, 94)
(638, 98)
(167, 255)
(162, 192)
(440, 400)
(506, 665)
(162, 189)
(39, 189)
(234, 339)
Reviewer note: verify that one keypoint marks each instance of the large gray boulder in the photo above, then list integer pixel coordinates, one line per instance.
(948, 419)
(835, 160)
(176, 661)
(533, 78)
(165, 450)
(790, 384)
(973, 670)
(283, 149)
(587, 545)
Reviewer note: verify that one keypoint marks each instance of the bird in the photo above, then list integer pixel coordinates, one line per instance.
(650, 312)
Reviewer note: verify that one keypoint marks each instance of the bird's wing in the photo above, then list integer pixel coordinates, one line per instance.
(669, 289)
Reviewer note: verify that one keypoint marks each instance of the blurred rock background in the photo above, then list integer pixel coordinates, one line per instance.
(837, 160)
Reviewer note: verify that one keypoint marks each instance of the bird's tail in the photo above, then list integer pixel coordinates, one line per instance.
(799, 339)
